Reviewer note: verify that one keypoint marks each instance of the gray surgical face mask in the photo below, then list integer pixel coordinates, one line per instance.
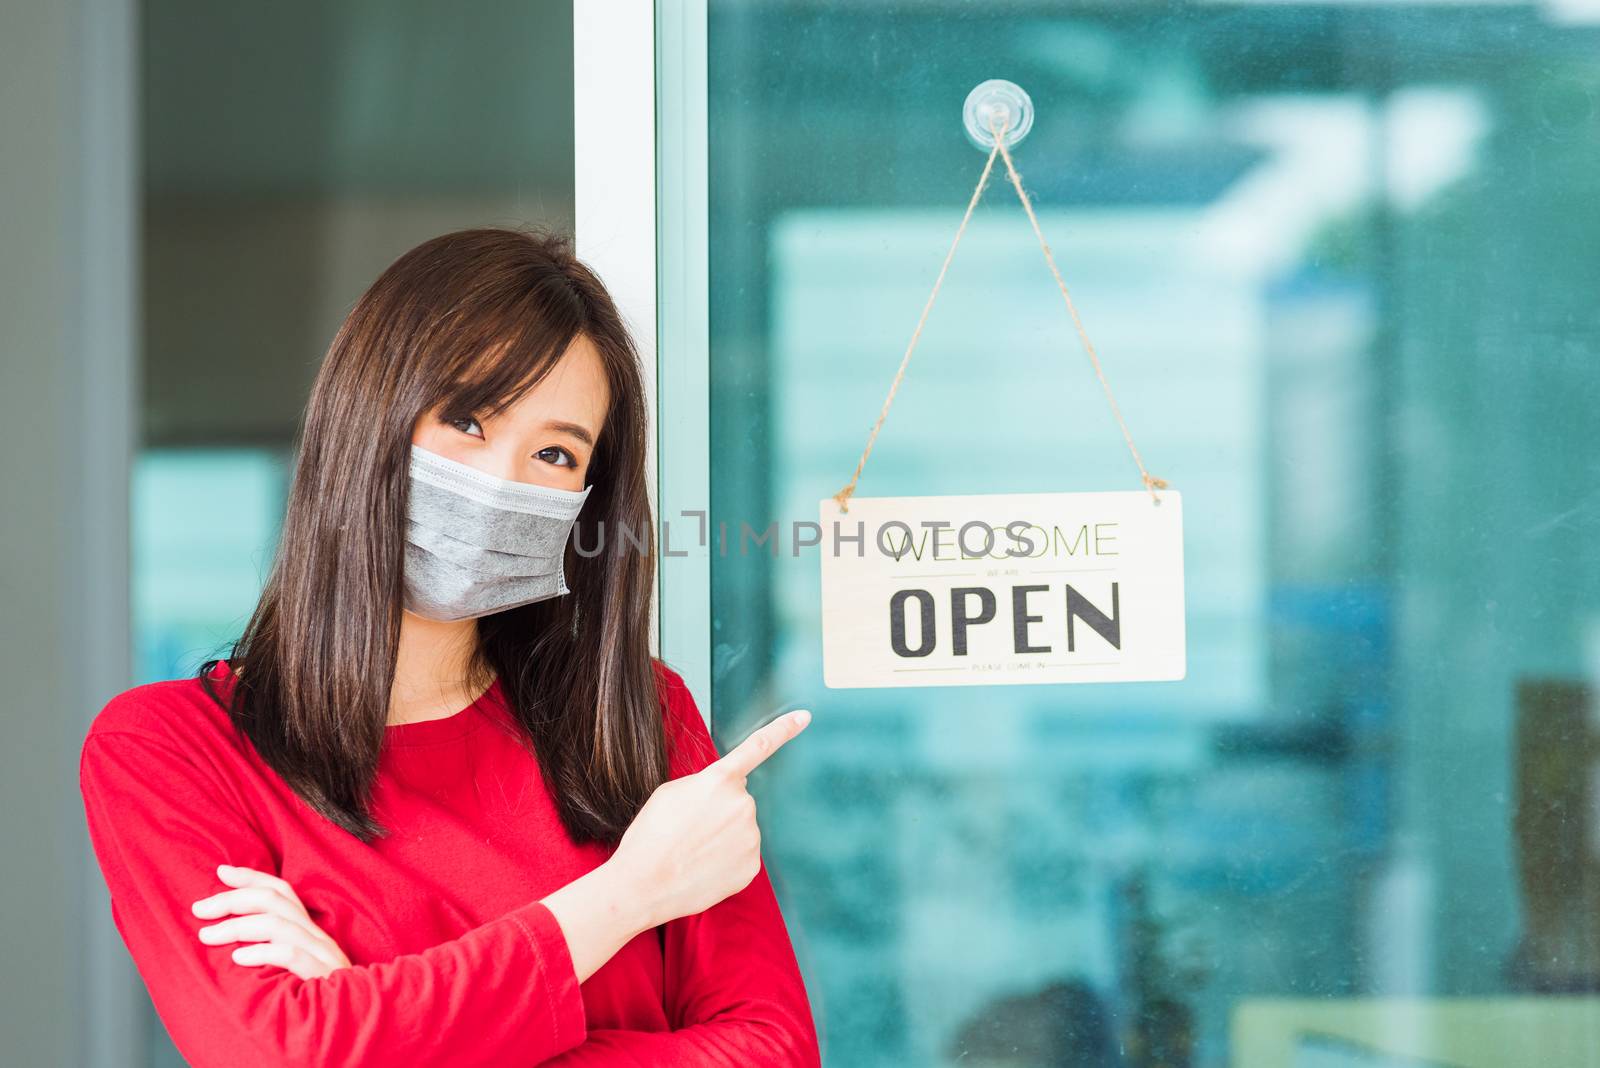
(477, 544)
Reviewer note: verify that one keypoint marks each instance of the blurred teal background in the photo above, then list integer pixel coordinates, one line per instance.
(1341, 264)
(205, 521)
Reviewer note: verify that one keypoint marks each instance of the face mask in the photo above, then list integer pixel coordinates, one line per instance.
(477, 544)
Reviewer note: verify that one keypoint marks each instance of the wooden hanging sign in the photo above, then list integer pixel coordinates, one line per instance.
(1009, 588)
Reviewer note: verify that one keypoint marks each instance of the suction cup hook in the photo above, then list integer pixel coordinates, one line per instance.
(999, 102)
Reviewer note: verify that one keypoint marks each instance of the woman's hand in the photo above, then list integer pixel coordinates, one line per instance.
(267, 914)
(696, 841)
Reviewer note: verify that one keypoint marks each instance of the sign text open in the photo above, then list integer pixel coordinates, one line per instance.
(1013, 588)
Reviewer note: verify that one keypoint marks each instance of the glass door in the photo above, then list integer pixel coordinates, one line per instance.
(1340, 264)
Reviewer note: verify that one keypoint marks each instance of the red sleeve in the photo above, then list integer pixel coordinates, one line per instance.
(734, 993)
(505, 993)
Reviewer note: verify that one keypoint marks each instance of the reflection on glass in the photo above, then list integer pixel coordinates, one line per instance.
(1339, 262)
(205, 523)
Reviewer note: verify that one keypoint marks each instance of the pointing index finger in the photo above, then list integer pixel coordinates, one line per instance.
(745, 757)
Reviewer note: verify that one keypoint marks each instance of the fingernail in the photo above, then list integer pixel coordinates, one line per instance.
(803, 715)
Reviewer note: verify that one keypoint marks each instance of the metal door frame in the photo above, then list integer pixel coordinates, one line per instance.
(640, 211)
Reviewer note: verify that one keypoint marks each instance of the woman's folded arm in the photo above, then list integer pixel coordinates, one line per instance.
(505, 993)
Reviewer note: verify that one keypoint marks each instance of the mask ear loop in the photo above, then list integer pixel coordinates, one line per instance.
(999, 127)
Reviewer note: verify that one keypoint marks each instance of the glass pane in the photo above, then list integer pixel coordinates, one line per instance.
(1339, 262)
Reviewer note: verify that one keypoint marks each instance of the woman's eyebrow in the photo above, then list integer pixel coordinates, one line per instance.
(577, 430)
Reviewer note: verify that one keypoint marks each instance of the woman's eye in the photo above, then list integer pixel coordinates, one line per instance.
(461, 423)
(558, 456)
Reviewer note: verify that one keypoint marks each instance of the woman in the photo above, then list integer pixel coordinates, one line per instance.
(440, 782)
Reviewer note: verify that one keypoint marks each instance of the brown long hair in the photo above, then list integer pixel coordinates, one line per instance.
(469, 320)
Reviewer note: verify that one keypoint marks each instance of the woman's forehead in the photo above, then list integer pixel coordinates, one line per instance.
(574, 391)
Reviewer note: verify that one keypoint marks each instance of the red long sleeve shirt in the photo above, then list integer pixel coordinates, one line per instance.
(454, 959)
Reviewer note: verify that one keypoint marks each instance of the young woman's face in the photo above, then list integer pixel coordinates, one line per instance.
(547, 437)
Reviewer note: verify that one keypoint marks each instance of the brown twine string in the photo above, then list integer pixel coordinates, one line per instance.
(843, 496)
(1151, 482)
